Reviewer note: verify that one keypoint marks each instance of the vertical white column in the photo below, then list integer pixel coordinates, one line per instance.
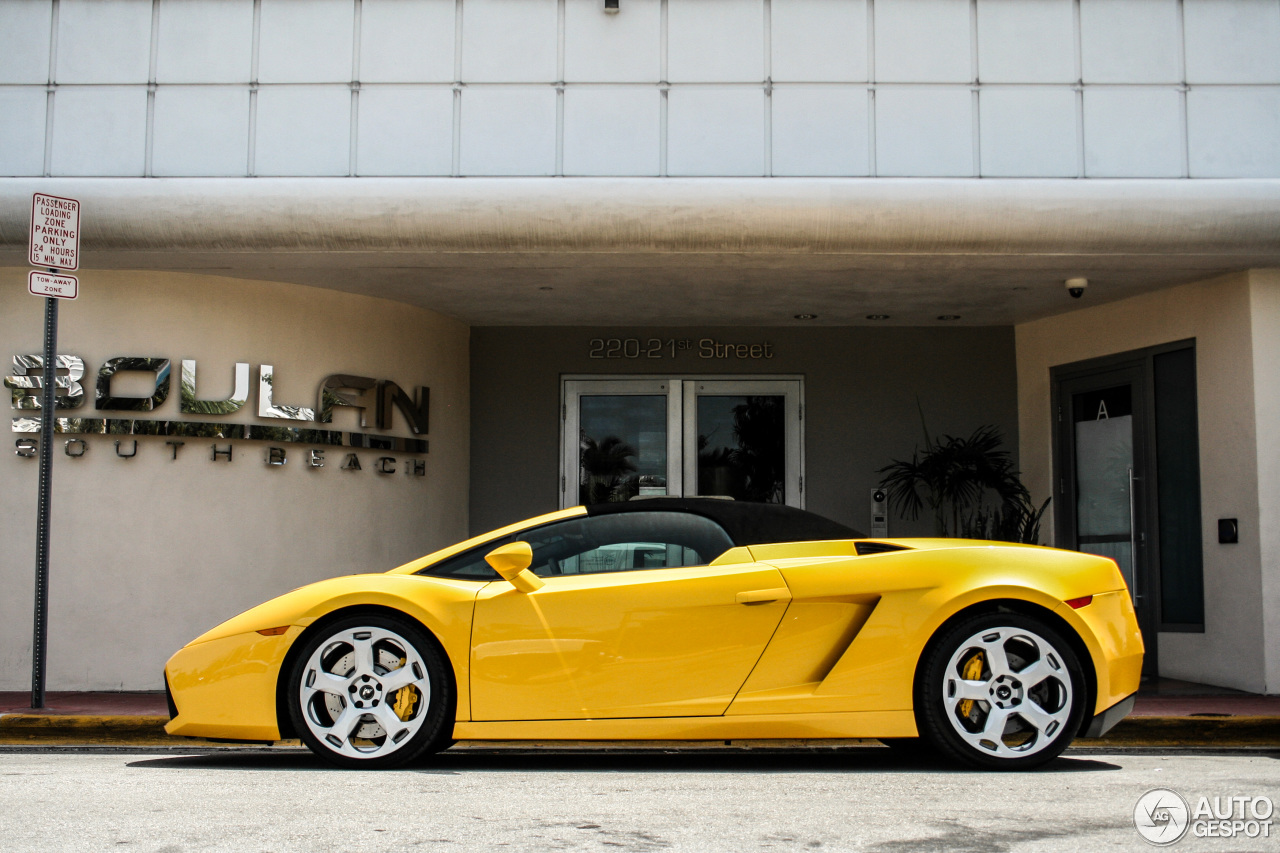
(52, 89)
(457, 88)
(151, 88)
(1079, 86)
(871, 88)
(975, 115)
(252, 165)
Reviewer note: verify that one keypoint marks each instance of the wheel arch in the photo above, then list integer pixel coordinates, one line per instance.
(295, 649)
(1024, 608)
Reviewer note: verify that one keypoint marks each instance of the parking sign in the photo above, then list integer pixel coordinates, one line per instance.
(55, 232)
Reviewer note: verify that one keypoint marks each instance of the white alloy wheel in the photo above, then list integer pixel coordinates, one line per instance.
(364, 693)
(1007, 692)
(1000, 691)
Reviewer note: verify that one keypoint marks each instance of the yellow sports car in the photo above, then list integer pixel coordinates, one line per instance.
(679, 619)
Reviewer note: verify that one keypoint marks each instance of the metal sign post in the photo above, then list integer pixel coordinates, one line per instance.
(55, 245)
(40, 633)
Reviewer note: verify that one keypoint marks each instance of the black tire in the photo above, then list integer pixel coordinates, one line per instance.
(1020, 713)
(346, 700)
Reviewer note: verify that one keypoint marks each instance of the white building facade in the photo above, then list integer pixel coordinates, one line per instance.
(559, 219)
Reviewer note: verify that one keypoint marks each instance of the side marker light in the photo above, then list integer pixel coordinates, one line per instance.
(273, 632)
(1077, 603)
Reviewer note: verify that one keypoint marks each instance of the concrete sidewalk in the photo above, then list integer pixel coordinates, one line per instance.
(1167, 714)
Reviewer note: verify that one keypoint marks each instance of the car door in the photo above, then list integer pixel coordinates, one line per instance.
(630, 623)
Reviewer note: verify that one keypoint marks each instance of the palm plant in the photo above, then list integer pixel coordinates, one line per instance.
(606, 466)
(955, 477)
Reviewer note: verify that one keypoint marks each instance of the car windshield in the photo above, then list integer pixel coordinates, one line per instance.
(609, 543)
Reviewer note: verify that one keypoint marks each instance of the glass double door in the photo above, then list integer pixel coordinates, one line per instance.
(634, 438)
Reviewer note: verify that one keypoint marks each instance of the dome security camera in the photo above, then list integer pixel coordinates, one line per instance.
(1076, 286)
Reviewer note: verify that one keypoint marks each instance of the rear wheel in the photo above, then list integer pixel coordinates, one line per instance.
(1000, 691)
(371, 692)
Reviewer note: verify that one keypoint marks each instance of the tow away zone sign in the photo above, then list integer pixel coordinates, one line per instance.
(55, 232)
(52, 284)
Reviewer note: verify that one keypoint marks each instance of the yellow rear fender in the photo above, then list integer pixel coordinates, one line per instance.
(920, 591)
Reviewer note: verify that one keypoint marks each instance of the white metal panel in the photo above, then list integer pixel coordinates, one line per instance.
(1130, 41)
(205, 41)
(406, 41)
(715, 130)
(508, 130)
(1232, 41)
(303, 130)
(201, 131)
(1234, 132)
(924, 131)
(1026, 41)
(611, 130)
(1028, 132)
(307, 42)
(1132, 133)
(621, 48)
(24, 42)
(104, 41)
(820, 130)
(819, 40)
(923, 41)
(715, 41)
(22, 131)
(509, 41)
(99, 131)
(405, 130)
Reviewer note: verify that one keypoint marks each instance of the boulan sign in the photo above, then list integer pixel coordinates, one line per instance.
(378, 398)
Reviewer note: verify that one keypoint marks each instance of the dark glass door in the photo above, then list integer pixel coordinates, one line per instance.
(1103, 474)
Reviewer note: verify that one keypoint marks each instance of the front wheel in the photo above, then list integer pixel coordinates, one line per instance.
(1000, 691)
(370, 692)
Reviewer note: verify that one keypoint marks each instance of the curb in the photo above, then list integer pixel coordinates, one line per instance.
(70, 729)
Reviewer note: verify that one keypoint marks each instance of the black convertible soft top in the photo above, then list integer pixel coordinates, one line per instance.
(746, 523)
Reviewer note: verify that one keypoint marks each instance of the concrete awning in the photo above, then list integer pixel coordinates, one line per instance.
(571, 251)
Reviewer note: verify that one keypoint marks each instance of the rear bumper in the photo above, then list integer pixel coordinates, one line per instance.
(1103, 722)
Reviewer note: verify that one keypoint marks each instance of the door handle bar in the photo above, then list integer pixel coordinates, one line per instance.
(1133, 538)
(764, 596)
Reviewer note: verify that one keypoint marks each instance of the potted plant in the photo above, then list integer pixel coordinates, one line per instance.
(970, 486)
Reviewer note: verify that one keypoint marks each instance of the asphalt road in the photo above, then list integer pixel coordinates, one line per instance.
(852, 799)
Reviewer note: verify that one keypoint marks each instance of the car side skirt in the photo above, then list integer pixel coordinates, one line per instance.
(860, 724)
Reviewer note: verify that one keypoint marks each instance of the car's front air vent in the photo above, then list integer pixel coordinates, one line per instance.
(865, 548)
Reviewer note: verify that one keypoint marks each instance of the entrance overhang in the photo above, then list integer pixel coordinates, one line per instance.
(573, 251)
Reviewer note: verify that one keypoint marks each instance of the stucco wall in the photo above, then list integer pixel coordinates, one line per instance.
(1218, 314)
(148, 552)
(861, 388)
(1265, 292)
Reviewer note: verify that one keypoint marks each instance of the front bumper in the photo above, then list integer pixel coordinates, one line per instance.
(226, 688)
(1103, 722)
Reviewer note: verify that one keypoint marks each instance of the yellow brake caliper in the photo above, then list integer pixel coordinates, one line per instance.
(972, 672)
(406, 698)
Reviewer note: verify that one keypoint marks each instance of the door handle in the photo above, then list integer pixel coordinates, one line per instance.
(764, 596)
(1133, 538)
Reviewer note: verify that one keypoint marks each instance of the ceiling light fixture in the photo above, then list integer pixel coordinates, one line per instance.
(806, 316)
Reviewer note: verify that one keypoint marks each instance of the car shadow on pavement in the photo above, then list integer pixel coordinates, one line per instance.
(858, 760)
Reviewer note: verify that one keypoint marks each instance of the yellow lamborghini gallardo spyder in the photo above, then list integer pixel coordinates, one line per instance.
(679, 619)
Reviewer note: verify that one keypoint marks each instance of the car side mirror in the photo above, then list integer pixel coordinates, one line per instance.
(512, 561)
